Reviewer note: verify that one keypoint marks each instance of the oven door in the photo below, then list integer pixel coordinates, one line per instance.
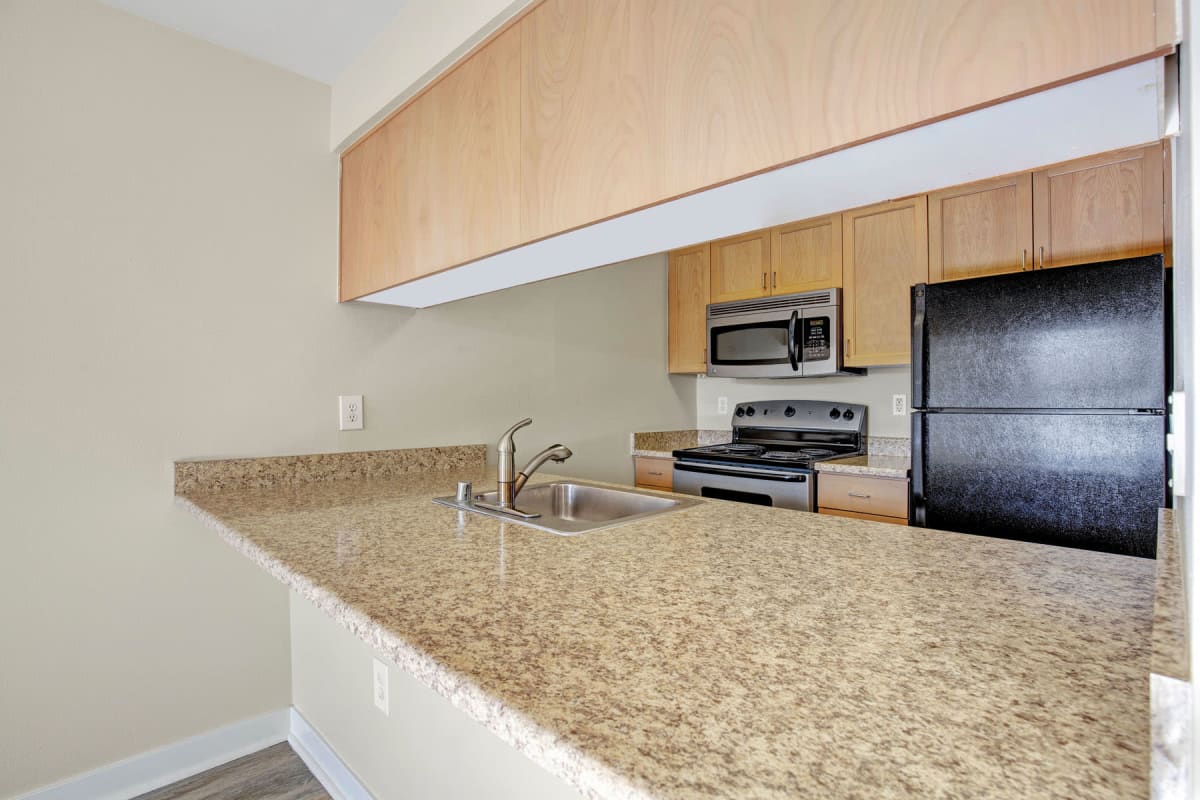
(755, 345)
(763, 487)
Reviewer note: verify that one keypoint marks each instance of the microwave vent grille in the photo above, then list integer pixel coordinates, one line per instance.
(824, 298)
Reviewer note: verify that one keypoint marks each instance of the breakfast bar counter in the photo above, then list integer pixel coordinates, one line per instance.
(728, 650)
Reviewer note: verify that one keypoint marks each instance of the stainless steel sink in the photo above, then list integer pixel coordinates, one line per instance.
(568, 508)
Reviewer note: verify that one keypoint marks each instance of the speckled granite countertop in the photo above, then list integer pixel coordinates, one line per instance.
(731, 650)
(660, 444)
(877, 466)
(1170, 653)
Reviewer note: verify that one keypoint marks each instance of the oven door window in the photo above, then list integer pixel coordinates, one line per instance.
(751, 344)
(816, 339)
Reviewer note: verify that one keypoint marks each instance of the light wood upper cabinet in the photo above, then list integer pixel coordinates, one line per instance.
(747, 85)
(434, 186)
(740, 267)
(687, 302)
(1105, 207)
(581, 110)
(983, 228)
(593, 136)
(884, 252)
(477, 167)
(806, 255)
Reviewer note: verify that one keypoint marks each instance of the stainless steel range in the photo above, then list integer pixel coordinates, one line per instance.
(775, 442)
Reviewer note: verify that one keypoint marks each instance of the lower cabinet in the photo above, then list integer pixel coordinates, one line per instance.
(653, 473)
(863, 497)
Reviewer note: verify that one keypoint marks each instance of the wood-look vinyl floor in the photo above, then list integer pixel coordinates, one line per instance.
(276, 773)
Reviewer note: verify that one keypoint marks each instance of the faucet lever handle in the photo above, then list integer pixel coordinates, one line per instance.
(506, 441)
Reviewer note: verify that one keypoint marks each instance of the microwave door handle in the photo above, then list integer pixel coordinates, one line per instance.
(791, 342)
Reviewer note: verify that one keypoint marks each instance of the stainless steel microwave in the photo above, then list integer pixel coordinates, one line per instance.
(789, 336)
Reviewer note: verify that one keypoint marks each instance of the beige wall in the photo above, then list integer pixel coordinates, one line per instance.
(424, 39)
(168, 223)
(423, 746)
(874, 390)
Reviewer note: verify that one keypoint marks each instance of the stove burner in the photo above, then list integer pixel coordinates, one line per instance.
(735, 449)
(787, 455)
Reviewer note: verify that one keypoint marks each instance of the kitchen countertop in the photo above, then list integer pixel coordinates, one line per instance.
(660, 444)
(871, 464)
(1169, 656)
(731, 650)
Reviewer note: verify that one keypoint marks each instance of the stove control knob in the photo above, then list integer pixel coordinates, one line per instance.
(849, 415)
(789, 412)
(834, 413)
(741, 412)
(749, 411)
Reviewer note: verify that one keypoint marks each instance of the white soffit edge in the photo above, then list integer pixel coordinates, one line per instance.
(1105, 112)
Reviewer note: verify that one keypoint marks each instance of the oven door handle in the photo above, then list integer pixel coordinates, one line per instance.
(764, 474)
(793, 354)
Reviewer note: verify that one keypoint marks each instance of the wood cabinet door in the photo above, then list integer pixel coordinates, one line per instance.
(449, 161)
(687, 302)
(806, 255)
(885, 250)
(1099, 208)
(476, 135)
(593, 143)
(982, 228)
(740, 267)
(751, 84)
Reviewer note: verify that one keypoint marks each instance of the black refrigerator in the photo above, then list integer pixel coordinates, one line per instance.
(1039, 405)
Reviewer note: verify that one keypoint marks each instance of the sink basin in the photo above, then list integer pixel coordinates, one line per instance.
(569, 508)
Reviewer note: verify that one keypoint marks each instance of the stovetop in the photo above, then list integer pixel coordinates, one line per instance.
(788, 434)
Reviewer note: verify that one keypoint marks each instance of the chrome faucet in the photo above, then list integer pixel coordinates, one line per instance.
(508, 486)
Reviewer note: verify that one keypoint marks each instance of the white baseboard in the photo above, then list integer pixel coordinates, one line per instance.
(323, 763)
(165, 765)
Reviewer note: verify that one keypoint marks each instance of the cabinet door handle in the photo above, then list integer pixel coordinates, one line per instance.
(764, 280)
(1042, 257)
(774, 279)
(859, 495)
(1023, 251)
(650, 472)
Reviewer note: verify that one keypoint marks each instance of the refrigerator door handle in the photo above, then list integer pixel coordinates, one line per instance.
(916, 500)
(918, 346)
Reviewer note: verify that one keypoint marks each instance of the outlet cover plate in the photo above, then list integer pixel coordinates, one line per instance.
(380, 686)
(350, 412)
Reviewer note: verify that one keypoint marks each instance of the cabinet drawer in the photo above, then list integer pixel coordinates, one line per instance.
(884, 497)
(837, 512)
(655, 473)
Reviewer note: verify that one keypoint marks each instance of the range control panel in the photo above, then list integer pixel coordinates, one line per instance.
(800, 414)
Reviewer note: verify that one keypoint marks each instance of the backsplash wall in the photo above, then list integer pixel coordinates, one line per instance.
(875, 390)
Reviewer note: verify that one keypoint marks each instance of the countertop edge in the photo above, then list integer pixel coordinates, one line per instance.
(542, 746)
(847, 466)
(1169, 653)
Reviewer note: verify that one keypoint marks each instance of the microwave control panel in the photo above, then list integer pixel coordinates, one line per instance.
(815, 339)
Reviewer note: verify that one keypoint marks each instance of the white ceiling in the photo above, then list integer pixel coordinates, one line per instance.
(314, 38)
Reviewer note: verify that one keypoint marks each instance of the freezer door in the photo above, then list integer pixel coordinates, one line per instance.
(1094, 481)
(1089, 336)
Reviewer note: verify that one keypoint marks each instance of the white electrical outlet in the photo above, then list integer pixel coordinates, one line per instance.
(380, 691)
(899, 405)
(350, 412)
(722, 405)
